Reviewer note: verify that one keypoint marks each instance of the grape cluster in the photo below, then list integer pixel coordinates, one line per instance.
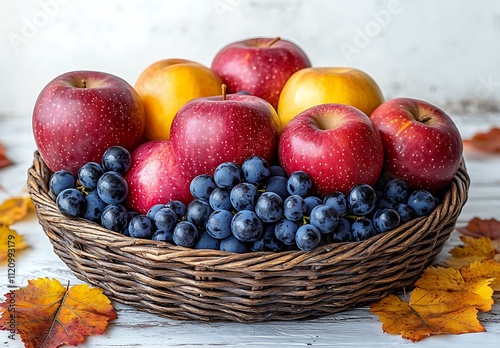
(252, 207)
(98, 192)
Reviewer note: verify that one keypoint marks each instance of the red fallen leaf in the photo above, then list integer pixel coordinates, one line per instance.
(487, 142)
(4, 161)
(47, 314)
(482, 228)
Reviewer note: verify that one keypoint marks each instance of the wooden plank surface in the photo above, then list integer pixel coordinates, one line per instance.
(354, 328)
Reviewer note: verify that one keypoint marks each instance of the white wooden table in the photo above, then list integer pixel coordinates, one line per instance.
(354, 328)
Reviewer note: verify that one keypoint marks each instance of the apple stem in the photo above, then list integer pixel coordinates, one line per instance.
(425, 118)
(84, 83)
(276, 39)
(223, 88)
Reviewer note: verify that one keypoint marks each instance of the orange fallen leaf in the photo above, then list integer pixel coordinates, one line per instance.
(444, 301)
(485, 269)
(475, 249)
(487, 142)
(481, 228)
(48, 314)
(10, 244)
(14, 209)
(449, 279)
(429, 312)
(4, 161)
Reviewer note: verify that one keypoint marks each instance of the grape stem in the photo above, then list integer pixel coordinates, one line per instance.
(352, 216)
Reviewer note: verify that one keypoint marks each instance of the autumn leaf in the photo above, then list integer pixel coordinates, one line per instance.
(485, 269)
(474, 250)
(48, 314)
(429, 312)
(444, 301)
(487, 142)
(449, 279)
(10, 243)
(4, 161)
(14, 209)
(481, 228)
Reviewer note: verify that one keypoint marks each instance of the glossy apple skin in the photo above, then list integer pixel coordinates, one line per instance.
(209, 131)
(422, 143)
(326, 85)
(255, 67)
(166, 85)
(73, 125)
(155, 176)
(336, 144)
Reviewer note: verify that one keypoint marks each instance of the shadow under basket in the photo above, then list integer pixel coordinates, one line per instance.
(193, 284)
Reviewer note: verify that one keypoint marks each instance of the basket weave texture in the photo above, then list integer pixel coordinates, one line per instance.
(182, 283)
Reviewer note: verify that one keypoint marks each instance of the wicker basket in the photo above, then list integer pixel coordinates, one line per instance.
(181, 283)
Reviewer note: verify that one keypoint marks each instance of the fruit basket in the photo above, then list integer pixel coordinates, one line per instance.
(193, 284)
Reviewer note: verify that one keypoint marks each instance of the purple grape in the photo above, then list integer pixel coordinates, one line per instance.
(422, 202)
(115, 217)
(311, 202)
(71, 203)
(337, 200)
(112, 188)
(244, 196)
(269, 207)
(362, 229)
(386, 219)
(116, 159)
(202, 186)
(267, 241)
(299, 183)
(94, 207)
(185, 234)
(256, 170)
(397, 189)
(307, 237)
(206, 241)
(219, 224)
(285, 231)
(246, 226)
(60, 181)
(294, 208)
(232, 244)
(141, 227)
(227, 175)
(362, 199)
(325, 218)
(89, 174)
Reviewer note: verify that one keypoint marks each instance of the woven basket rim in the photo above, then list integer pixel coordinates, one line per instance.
(118, 239)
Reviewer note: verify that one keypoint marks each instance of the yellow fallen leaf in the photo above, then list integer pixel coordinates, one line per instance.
(488, 268)
(429, 312)
(449, 279)
(10, 244)
(474, 250)
(14, 209)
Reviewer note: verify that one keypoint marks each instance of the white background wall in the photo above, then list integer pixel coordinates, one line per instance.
(446, 52)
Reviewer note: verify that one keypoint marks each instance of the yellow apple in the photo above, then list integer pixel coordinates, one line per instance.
(323, 85)
(165, 86)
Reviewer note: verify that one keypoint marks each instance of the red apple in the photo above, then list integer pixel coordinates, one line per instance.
(155, 177)
(422, 144)
(259, 66)
(336, 144)
(80, 114)
(209, 131)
